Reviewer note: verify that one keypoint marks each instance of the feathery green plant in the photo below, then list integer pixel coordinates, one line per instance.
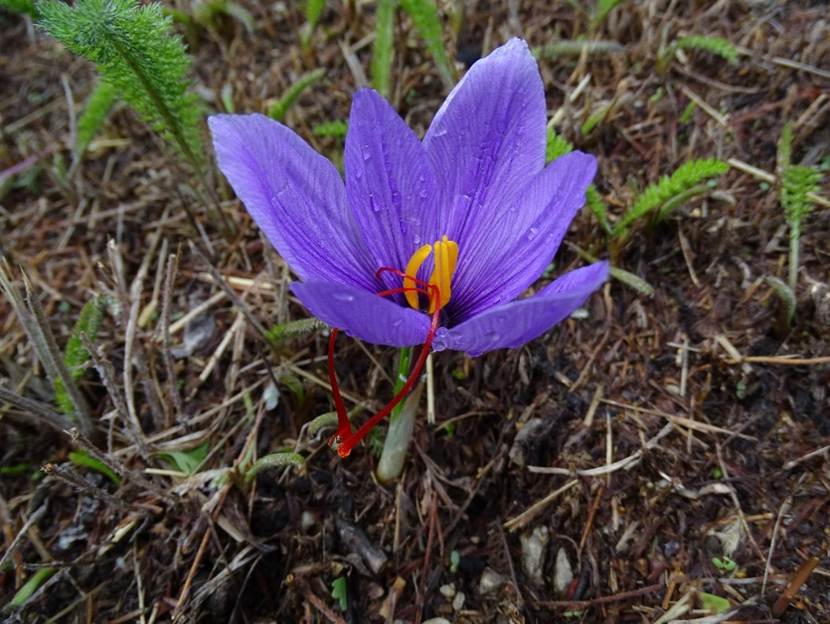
(384, 48)
(424, 15)
(670, 192)
(18, 6)
(137, 52)
(557, 146)
(705, 43)
(797, 181)
(97, 106)
(279, 108)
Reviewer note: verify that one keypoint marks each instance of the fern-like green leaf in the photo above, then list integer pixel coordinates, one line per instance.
(598, 208)
(75, 354)
(557, 146)
(97, 106)
(706, 43)
(424, 15)
(137, 52)
(688, 176)
(797, 181)
(278, 109)
(384, 48)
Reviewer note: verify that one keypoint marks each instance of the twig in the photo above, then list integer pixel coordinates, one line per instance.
(585, 604)
(794, 585)
(37, 515)
(321, 606)
(42, 412)
(532, 511)
(169, 279)
(785, 507)
(520, 601)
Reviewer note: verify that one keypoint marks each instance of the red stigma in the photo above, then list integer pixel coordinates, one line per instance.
(345, 440)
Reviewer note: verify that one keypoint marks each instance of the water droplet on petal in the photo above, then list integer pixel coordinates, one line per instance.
(344, 297)
(375, 206)
(367, 152)
(531, 233)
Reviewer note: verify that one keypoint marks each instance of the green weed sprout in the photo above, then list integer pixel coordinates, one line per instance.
(705, 43)
(657, 201)
(797, 183)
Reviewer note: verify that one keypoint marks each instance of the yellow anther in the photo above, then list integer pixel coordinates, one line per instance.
(446, 258)
(412, 267)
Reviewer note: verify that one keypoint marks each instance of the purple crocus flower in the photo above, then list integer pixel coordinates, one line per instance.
(471, 209)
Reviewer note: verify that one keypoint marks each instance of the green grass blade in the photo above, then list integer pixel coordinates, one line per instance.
(383, 50)
(278, 110)
(30, 587)
(557, 146)
(424, 15)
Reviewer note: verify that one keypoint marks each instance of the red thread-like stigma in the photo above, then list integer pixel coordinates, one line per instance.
(345, 440)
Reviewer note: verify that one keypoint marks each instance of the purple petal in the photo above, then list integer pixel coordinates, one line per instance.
(295, 196)
(389, 182)
(525, 235)
(362, 314)
(513, 324)
(488, 139)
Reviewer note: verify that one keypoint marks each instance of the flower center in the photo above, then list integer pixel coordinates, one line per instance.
(446, 257)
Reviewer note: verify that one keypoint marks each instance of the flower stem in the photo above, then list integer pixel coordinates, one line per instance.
(401, 424)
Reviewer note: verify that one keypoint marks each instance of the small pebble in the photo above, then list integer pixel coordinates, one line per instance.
(458, 601)
(490, 581)
(447, 591)
(437, 620)
(534, 552)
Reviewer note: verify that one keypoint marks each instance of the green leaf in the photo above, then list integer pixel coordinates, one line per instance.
(598, 208)
(81, 458)
(715, 45)
(785, 147)
(713, 604)
(314, 11)
(136, 51)
(282, 332)
(337, 128)
(30, 587)
(96, 109)
(575, 47)
(725, 565)
(384, 47)
(424, 15)
(632, 281)
(278, 109)
(687, 176)
(797, 182)
(340, 592)
(274, 460)
(557, 146)
(601, 11)
(75, 354)
(188, 461)
(594, 119)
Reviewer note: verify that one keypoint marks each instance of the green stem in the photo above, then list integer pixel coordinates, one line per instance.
(795, 236)
(404, 363)
(401, 424)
